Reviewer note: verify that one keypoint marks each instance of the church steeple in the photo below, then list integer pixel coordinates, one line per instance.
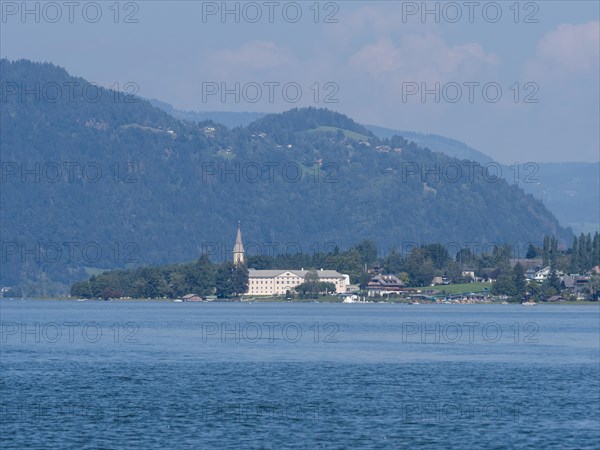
(238, 248)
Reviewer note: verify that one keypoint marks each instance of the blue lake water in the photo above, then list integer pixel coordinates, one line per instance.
(237, 375)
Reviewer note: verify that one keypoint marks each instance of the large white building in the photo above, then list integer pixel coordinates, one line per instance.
(280, 281)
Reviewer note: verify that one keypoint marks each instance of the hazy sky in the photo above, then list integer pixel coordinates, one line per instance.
(518, 81)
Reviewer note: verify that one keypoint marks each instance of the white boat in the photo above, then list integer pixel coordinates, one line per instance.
(178, 300)
(529, 304)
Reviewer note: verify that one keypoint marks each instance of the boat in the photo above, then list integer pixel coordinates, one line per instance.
(529, 303)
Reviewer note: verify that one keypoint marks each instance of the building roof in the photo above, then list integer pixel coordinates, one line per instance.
(386, 280)
(255, 273)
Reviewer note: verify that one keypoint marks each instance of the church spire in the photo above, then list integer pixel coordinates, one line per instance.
(238, 248)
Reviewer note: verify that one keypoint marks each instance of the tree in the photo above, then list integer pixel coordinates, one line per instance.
(438, 254)
(311, 285)
(594, 287)
(519, 282)
(553, 280)
(200, 277)
(420, 268)
(532, 252)
(453, 272)
(367, 251)
(394, 263)
(312, 290)
(534, 291)
(464, 257)
(574, 267)
(546, 251)
(80, 289)
(504, 285)
(501, 255)
(231, 280)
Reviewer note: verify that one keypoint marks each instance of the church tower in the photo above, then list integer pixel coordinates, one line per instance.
(238, 248)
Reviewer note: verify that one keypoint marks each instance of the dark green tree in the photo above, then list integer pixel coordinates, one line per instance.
(574, 266)
(419, 267)
(546, 251)
(367, 251)
(504, 285)
(231, 280)
(519, 281)
(532, 252)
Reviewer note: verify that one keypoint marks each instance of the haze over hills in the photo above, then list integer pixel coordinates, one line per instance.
(97, 180)
(563, 187)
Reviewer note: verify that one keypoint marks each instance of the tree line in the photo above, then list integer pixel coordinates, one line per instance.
(416, 268)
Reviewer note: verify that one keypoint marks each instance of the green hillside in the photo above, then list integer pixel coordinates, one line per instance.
(114, 182)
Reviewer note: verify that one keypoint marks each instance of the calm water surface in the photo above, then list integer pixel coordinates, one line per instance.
(236, 375)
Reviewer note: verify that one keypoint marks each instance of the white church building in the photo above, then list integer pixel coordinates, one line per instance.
(279, 281)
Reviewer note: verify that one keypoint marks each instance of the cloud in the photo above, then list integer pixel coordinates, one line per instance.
(567, 50)
(251, 56)
(422, 58)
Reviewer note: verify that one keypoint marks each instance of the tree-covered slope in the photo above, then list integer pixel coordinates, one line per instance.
(115, 181)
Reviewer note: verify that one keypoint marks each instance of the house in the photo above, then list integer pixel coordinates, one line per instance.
(468, 273)
(191, 298)
(384, 284)
(556, 298)
(575, 282)
(439, 280)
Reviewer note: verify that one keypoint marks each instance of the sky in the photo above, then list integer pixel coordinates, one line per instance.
(519, 81)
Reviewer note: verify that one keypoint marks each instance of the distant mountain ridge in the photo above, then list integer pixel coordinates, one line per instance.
(563, 187)
(139, 186)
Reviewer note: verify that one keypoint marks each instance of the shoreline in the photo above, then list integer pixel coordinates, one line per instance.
(302, 301)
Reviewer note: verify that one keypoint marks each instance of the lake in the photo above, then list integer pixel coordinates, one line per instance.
(283, 375)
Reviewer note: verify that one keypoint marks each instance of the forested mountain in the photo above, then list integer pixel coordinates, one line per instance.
(229, 119)
(563, 187)
(98, 179)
